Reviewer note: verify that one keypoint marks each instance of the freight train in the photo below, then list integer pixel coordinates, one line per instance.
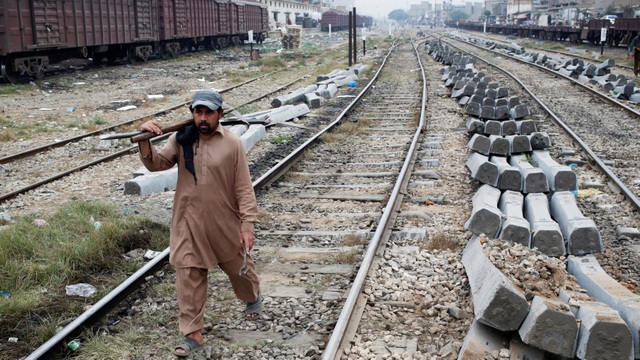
(35, 33)
(620, 32)
(339, 20)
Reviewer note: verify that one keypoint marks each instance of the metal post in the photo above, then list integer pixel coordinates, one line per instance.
(355, 40)
(350, 39)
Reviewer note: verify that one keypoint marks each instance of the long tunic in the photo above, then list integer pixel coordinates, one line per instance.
(208, 216)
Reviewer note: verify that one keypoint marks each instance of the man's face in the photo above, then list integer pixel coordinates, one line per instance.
(206, 119)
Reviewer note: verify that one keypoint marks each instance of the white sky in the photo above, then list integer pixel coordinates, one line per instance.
(381, 8)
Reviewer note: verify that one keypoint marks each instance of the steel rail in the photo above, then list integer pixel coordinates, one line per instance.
(554, 51)
(120, 153)
(102, 307)
(46, 147)
(574, 81)
(334, 343)
(623, 188)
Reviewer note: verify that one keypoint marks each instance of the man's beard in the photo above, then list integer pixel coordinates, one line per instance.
(204, 128)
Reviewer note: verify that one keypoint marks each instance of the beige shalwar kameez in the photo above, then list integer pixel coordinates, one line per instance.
(208, 217)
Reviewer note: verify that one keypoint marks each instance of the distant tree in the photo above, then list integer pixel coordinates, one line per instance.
(457, 14)
(611, 10)
(487, 13)
(398, 15)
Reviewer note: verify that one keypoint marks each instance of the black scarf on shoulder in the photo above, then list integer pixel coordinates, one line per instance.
(186, 137)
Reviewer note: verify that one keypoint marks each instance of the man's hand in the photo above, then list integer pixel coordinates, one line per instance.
(247, 239)
(151, 126)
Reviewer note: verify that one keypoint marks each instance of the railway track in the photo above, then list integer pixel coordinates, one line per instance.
(87, 150)
(325, 254)
(317, 220)
(619, 54)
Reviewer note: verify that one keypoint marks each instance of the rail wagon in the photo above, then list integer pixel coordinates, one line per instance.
(339, 20)
(620, 32)
(35, 33)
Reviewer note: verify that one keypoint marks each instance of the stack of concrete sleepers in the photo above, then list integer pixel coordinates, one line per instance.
(508, 154)
(532, 206)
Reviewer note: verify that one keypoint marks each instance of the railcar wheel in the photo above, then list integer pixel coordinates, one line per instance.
(131, 55)
(8, 74)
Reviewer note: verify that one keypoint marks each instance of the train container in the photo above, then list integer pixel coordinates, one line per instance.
(34, 33)
(618, 33)
(339, 20)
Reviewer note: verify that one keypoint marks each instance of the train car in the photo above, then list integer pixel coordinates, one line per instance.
(34, 33)
(339, 20)
(619, 33)
(245, 16)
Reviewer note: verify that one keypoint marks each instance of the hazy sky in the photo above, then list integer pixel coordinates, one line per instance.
(380, 8)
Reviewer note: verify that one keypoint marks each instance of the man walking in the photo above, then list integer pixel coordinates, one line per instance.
(213, 213)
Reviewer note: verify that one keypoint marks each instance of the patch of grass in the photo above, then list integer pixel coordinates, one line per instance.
(246, 109)
(271, 63)
(353, 240)
(279, 139)
(14, 89)
(441, 241)
(7, 136)
(331, 137)
(36, 263)
(346, 257)
(98, 120)
(263, 217)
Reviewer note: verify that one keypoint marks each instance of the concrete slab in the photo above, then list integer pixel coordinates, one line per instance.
(602, 287)
(485, 217)
(546, 234)
(496, 301)
(482, 169)
(580, 232)
(515, 227)
(510, 177)
(480, 341)
(559, 177)
(551, 326)
(533, 179)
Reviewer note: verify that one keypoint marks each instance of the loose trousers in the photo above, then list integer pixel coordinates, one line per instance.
(191, 285)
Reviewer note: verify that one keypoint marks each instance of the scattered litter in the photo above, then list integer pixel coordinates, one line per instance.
(352, 83)
(40, 222)
(4, 218)
(128, 107)
(150, 254)
(346, 96)
(201, 80)
(5, 294)
(78, 83)
(119, 101)
(573, 166)
(155, 97)
(13, 339)
(70, 109)
(134, 254)
(45, 109)
(588, 192)
(82, 289)
(97, 225)
(74, 344)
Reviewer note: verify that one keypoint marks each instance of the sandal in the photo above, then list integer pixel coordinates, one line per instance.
(254, 309)
(188, 345)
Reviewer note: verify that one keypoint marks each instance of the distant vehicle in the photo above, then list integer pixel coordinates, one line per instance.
(611, 18)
